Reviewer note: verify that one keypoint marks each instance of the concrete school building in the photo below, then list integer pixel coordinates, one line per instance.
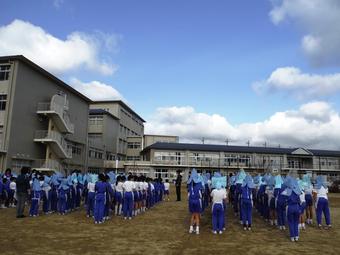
(164, 159)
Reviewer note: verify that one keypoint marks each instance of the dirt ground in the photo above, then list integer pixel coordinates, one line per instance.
(161, 230)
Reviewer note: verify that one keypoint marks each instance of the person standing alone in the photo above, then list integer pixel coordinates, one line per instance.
(23, 188)
(178, 185)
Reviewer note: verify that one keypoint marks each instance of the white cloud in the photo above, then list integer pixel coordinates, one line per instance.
(56, 55)
(96, 90)
(313, 125)
(302, 85)
(320, 21)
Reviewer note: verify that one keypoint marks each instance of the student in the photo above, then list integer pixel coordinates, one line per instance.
(302, 205)
(100, 196)
(22, 191)
(321, 204)
(178, 185)
(46, 194)
(54, 192)
(293, 193)
(119, 195)
(166, 189)
(62, 196)
(36, 196)
(271, 200)
(247, 201)
(280, 202)
(308, 198)
(128, 203)
(12, 195)
(238, 189)
(92, 178)
(219, 196)
(195, 197)
(110, 180)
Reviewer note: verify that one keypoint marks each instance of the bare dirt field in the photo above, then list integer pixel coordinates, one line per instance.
(161, 230)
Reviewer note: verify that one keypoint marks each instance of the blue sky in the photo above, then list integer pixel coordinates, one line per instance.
(203, 54)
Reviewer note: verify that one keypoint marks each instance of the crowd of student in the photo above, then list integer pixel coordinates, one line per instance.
(279, 200)
(103, 195)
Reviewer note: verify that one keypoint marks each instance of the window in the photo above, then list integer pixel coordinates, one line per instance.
(96, 120)
(4, 72)
(3, 100)
(133, 145)
(133, 158)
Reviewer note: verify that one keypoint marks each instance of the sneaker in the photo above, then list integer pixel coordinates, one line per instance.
(220, 232)
(214, 232)
(245, 228)
(191, 229)
(296, 238)
(320, 226)
(197, 230)
(125, 218)
(249, 228)
(284, 227)
(130, 218)
(223, 229)
(292, 239)
(96, 222)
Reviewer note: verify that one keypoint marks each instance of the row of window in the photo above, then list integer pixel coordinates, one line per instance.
(95, 154)
(96, 120)
(123, 112)
(133, 158)
(126, 131)
(3, 101)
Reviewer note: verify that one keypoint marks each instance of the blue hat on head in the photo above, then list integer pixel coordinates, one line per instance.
(47, 181)
(36, 185)
(248, 181)
(232, 180)
(240, 176)
(278, 182)
(64, 184)
(321, 181)
(217, 174)
(112, 177)
(192, 176)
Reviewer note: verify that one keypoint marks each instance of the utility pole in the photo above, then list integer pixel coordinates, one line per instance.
(248, 142)
(265, 144)
(202, 140)
(226, 141)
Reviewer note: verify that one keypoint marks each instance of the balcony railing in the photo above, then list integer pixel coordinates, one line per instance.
(59, 110)
(53, 136)
(47, 164)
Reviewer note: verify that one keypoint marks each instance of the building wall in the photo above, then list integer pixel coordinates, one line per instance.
(31, 87)
(151, 139)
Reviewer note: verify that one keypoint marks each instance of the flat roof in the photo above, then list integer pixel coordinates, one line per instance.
(101, 112)
(242, 149)
(45, 73)
(163, 135)
(121, 103)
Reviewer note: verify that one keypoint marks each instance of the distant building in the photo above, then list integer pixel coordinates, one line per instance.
(130, 123)
(43, 121)
(164, 159)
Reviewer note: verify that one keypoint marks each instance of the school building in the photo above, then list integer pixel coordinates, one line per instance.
(48, 125)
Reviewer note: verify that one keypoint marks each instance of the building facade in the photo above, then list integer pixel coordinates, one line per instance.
(130, 123)
(164, 159)
(43, 121)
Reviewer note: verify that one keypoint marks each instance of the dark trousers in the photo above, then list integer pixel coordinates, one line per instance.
(178, 193)
(21, 199)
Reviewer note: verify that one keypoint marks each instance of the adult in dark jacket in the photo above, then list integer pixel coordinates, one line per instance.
(178, 185)
(23, 189)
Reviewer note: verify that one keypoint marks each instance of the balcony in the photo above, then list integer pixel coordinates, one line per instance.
(47, 165)
(56, 141)
(57, 111)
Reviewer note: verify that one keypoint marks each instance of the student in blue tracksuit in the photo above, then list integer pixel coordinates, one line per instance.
(36, 196)
(321, 204)
(219, 196)
(293, 211)
(62, 196)
(128, 187)
(247, 201)
(100, 196)
(239, 180)
(280, 202)
(46, 194)
(54, 195)
(195, 201)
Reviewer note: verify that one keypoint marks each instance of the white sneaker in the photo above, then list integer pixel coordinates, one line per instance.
(249, 228)
(220, 232)
(130, 218)
(292, 239)
(284, 227)
(296, 238)
(214, 232)
(125, 218)
(191, 229)
(197, 230)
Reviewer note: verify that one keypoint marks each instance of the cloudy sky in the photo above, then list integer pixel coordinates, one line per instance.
(263, 71)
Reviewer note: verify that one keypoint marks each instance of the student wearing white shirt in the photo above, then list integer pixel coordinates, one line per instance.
(12, 193)
(128, 188)
(119, 195)
(166, 189)
(321, 203)
(219, 195)
(91, 194)
(302, 209)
